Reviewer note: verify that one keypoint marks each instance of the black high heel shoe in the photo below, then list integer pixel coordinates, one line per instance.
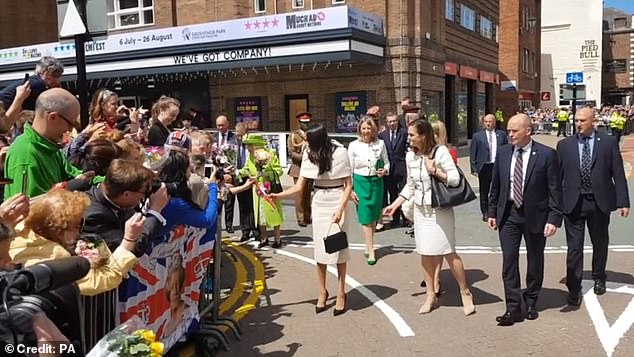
(337, 312)
(263, 243)
(319, 309)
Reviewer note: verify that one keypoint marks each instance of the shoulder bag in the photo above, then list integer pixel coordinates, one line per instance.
(445, 196)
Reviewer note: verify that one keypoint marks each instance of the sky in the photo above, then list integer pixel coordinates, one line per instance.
(624, 5)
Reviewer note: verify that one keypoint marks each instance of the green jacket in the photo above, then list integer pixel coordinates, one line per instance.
(271, 172)
(42, 161)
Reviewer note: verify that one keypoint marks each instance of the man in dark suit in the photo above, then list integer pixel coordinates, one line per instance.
(395, 139)
(524, 201)
(594, 184)
(224, 137)
(482, 153)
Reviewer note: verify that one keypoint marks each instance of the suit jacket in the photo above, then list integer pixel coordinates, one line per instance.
(542, 189)
(231, 138)
(609, 185)
(396, 151)
(479, 150)
(296, 145)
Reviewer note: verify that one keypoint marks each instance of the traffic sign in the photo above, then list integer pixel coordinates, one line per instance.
(574, 77)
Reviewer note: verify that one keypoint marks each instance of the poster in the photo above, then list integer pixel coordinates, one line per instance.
(248, 110)
(350, 106)
(163, 289)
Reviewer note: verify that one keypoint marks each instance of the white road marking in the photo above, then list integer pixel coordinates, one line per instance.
(395, 318)
(610, 336)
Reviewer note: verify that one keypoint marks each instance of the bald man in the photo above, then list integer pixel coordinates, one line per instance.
(227, 137)
(482, 154)
(594, 185)
(525, 201)
(34, 161)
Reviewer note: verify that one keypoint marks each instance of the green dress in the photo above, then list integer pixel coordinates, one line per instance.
(264, 213)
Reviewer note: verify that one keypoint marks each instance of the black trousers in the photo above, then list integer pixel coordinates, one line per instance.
(586, 212)
(228, 207)
(561, 128)
(510, 239)
(393, 185)
(484, 179)
(245, 208)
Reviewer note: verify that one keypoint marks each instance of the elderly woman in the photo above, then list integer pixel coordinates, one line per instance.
(264, 166)
(370, 163)
(434, 228)
(51, 230)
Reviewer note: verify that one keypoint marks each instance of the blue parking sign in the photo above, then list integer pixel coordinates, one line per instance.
(574, 77)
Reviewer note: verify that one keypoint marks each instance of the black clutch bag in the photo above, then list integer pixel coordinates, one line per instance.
(336, 241)
(276, 185)
(446, 196)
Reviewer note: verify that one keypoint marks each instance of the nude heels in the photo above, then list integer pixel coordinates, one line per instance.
(429, 305)
(467, 303)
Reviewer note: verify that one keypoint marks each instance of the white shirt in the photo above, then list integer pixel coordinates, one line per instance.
(363, 157)
(493, 143)
(418, 179)
(525, 157)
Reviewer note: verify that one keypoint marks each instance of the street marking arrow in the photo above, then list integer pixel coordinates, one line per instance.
(610, 336)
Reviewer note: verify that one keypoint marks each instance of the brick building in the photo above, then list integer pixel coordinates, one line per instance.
(332, 57)
(520, 55)
(618, 60)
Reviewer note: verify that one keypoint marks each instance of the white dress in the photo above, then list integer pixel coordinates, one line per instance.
(325, 202)
(434, 228)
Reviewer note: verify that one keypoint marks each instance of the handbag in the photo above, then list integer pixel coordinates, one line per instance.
(276, 185)
(445, 196)
(335, 242)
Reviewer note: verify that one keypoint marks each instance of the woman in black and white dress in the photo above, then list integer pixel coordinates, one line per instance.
(434, 228)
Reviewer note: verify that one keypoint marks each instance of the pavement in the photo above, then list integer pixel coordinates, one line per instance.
(272, 292)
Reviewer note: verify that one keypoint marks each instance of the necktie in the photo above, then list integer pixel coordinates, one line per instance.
(518, 179)
(586, 166)
(490, 135)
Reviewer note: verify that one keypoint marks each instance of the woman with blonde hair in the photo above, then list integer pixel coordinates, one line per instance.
(52, 228)
(369, 163)
(164, 113)
(440, 134)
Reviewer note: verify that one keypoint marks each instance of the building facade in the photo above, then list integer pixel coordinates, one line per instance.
(520, 55)
(572, 42)
(263, 61)
(618, 61)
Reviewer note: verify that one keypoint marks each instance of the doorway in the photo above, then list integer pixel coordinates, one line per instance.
(295, 104)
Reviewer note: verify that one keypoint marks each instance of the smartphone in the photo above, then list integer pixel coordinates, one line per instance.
(208, 171)
(25, 181)
(26, 77)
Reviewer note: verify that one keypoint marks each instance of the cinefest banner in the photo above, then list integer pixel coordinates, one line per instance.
(350, 107)
(163, 289)
(248, 110)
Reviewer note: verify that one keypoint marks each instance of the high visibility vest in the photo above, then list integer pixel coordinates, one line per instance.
(499, 116)
(562, 116)
(617, 121)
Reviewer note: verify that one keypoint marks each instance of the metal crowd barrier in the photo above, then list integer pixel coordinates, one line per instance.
(99, 316)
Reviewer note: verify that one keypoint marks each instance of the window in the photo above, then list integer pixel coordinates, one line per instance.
(449, 10)
(337, 2)
(298, 4)
(467, 18)
(260, 6)
(486, 27)
(129, 13)
(525, 61)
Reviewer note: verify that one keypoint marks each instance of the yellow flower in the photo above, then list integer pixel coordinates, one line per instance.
(147, 335)
(156, 349)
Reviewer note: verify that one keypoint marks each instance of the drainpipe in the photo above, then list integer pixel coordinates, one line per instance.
(400, 55)
(174, 13)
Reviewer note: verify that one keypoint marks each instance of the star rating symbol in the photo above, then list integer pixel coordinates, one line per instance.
(275, 22)
(257, 24)
(266, 23)
(247, 25)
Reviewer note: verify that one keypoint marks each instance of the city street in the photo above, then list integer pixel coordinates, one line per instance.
(383, 300)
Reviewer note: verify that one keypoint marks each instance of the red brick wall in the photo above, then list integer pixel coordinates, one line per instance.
(617, 46)
(27, 22)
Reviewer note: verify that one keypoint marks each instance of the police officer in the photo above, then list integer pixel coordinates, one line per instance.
(562, 122)
(296, 146)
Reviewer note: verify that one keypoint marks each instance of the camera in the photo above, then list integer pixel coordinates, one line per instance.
(172, 188)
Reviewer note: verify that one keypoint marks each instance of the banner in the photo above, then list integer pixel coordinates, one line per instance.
(163, 289)
(248, 110)
(350, 107)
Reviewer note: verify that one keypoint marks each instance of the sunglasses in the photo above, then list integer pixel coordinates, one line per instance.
(68, 121)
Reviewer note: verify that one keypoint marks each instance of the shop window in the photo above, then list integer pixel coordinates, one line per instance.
(298, 4)
(129, 13)
(486, 27)
(450, 10)
(467, 17)
(260, 6)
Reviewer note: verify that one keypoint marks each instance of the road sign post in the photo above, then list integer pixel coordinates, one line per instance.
(574, 106)
(574, 78)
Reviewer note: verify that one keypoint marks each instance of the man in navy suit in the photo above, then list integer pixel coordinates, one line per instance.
(395, 139)
(593, 184)
(225, 137)
(525, 200)
(482, 153)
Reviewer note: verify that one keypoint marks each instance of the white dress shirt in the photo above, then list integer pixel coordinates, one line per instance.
(492, 139)
(526, 155)
(363, 157)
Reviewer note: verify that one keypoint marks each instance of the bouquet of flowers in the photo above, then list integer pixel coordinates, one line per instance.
(263, 191)
(153, 154)
(128, 340)
(262, 158)
(93, 248)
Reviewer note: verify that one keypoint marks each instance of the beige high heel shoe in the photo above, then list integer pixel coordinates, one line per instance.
(467, 303)
(429, 305)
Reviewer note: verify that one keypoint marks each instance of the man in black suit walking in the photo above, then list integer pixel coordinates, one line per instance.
(524, 201)
(226, 137)
(594, 184)
(482, 153)
(395, 139)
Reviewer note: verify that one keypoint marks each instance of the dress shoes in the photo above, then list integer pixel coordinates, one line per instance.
(574, 299)
(531, 313)
(230, 230)
(599, 287)
(244, 238)
(302, 224)
(509, 319)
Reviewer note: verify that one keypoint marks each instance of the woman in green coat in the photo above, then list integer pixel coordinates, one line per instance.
(263, 165)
